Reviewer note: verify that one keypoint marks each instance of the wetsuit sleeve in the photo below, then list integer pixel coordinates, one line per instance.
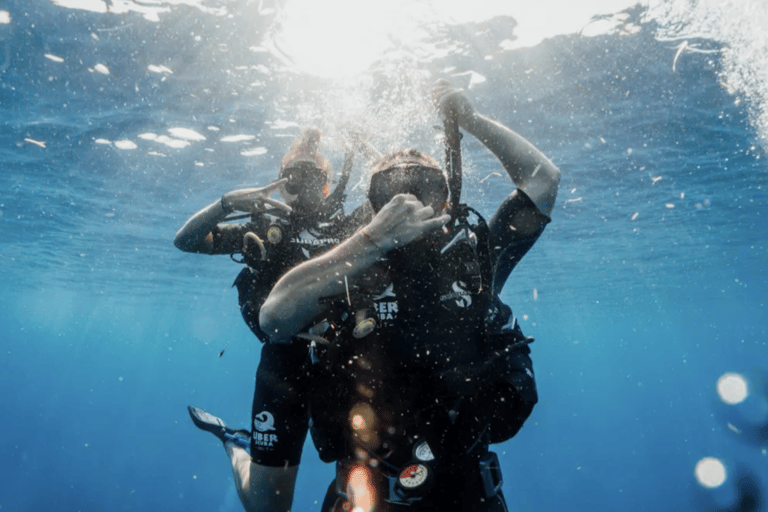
(514, 228)
(279, 416)
(253, 286)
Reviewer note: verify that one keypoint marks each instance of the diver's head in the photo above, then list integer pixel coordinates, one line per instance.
(408, 171)
(308, 173)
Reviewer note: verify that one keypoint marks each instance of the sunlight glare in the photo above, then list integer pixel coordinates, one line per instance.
(710, 472)
(343, 38)
(338, 38)
(732, 388)
(360, 489)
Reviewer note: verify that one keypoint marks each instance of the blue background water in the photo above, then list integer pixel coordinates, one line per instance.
(641, 293)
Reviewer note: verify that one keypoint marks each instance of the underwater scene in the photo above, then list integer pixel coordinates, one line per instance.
(646, 294)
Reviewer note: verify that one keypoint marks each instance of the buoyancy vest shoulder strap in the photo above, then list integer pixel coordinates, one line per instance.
(480, 236)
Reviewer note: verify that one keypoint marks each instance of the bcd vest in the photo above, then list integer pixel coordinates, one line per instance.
(406, 353)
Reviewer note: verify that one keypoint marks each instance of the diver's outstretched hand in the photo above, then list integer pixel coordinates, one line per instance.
(253, 199)
(401, 221)
(451, 102)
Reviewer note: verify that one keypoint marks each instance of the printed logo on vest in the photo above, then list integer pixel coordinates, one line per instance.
(389, 292)
(462, 297)
(311, 237)
(386, 310)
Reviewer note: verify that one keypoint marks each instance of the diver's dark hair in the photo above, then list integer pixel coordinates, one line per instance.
(305, 149)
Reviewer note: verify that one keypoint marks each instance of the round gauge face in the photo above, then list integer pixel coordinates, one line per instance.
(413, 476)
(423, 452)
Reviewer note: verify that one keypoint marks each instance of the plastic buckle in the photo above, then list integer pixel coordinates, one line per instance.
(490, 472)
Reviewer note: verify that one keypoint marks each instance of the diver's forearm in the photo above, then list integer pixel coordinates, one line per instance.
(193, 235)
(294, 301)
(528, 167)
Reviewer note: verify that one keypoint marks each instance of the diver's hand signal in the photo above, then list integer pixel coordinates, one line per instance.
(403, 220)
(253, 200)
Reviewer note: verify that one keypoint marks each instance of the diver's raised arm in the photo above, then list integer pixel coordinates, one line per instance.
(294, 301)
(196, 234)
(529, 168)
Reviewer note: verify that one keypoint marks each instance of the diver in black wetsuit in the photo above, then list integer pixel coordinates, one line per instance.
(426, 368)
(276, 237)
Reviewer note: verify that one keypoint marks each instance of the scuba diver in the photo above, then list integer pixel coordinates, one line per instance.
(274, 237)
(425, 366)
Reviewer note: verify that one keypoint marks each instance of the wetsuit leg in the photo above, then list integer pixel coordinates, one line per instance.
(280, 419)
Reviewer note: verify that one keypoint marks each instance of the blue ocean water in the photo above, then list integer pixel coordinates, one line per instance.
(648, 286)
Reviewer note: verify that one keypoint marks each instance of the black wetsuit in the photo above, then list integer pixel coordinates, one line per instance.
(279, 412)
(425, 354)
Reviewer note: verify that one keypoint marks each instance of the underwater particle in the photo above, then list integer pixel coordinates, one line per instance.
(5, 17)
(684, 47)
(120, 378)
(102, 141)
(54, 58)
(492, 174)
(634, 215)
(710, 472)
(159, 69)
(99, 68)
(35, 142)
(655, 179)
(669, 205)
(535, 294)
